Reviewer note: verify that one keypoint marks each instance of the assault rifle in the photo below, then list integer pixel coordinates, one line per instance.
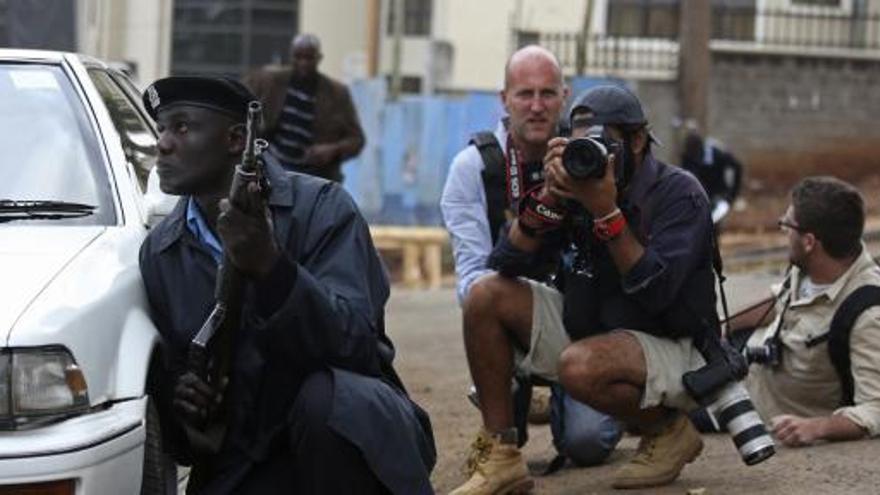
(210, 351)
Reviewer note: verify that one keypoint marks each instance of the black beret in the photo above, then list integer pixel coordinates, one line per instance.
(221, 94)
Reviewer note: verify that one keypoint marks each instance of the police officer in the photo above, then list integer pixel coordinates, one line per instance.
(312, 403)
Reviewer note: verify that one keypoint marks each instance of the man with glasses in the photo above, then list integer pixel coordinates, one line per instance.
(798, 380)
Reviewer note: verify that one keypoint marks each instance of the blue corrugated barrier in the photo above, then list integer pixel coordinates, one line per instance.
(398, 177)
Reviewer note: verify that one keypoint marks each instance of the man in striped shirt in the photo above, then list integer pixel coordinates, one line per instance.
(310, 121)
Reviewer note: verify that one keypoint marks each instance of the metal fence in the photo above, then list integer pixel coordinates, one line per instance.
(805, 29)
(636, 53)
(611, 55)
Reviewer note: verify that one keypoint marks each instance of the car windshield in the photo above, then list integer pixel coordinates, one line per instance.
(52, 156)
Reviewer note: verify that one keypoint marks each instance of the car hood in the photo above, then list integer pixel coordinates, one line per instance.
(30, 257)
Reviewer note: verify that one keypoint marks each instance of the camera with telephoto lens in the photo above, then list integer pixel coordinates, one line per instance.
(717, 387)
(587, 157)
(767, 354)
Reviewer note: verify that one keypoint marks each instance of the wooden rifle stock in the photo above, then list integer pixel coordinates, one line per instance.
(210, 351)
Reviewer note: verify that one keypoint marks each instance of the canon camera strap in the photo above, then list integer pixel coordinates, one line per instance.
(503, 177)
(514, 173)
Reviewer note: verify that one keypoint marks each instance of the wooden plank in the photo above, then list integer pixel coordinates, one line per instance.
(432, 264)
(414, 233)
(412, 273)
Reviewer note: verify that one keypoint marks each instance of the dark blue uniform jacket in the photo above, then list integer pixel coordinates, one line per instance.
(322, 308)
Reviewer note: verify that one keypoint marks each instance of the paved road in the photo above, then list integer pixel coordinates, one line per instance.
(426, 328)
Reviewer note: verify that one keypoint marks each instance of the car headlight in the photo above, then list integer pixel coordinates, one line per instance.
(39, 384)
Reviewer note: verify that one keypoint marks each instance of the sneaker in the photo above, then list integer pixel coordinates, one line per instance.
(539, 407)
(495, 467)
(661, 455)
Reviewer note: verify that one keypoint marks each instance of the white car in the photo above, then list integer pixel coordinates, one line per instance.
(77, 346)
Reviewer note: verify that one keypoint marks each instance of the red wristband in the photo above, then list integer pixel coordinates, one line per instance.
(609, 228)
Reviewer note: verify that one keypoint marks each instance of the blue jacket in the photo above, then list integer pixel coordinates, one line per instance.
(321, 308)
(670, 291)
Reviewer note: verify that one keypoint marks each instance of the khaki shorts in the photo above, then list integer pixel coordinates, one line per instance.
(548, 337)
(665, 359)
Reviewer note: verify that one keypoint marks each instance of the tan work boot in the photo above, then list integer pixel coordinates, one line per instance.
(661, 455)
(539, 406)
(495, 467)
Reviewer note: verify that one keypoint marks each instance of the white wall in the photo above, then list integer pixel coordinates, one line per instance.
(480, 33)
(342, 27)
(148, 38)
(127, 31)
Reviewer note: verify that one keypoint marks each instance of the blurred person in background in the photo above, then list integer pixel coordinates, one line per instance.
(717, 169)
(310, 121)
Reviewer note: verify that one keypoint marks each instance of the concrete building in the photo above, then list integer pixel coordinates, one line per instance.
(448, 45)
(134, 32)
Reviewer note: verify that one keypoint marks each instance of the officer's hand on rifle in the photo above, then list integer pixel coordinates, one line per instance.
(194, 399)
(249, 239)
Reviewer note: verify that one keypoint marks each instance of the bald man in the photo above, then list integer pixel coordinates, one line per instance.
(310, 121)
(483, 188)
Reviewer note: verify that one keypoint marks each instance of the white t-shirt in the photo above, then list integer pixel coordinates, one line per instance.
(808, 289)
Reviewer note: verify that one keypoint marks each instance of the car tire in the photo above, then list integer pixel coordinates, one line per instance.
(154, 480)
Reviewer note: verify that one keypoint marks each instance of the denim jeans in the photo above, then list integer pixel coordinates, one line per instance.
(581, 433)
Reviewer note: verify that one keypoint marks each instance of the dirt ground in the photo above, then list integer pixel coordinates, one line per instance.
(426, 328)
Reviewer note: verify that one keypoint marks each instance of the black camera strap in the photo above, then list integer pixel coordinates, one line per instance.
(494, 181)
(515, 173)
(740, 338)
(786, 287)
(506, 180)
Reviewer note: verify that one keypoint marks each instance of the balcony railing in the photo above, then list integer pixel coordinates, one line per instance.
(636, 53)
(825, 28)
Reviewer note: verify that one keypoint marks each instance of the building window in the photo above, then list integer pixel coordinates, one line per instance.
(731, 19)
(643, 18)
(409, 85)
(232, 37)
(526, 38)
(817, 3)
(4, 23)
(40, 24)
(416, 17)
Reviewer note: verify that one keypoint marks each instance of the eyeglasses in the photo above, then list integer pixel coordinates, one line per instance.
(785, 225)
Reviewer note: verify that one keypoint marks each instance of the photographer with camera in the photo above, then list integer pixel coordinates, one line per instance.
(815, 371)
(635, 286)
(485, 183)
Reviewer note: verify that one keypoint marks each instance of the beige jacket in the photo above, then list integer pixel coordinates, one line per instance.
(805, 383)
